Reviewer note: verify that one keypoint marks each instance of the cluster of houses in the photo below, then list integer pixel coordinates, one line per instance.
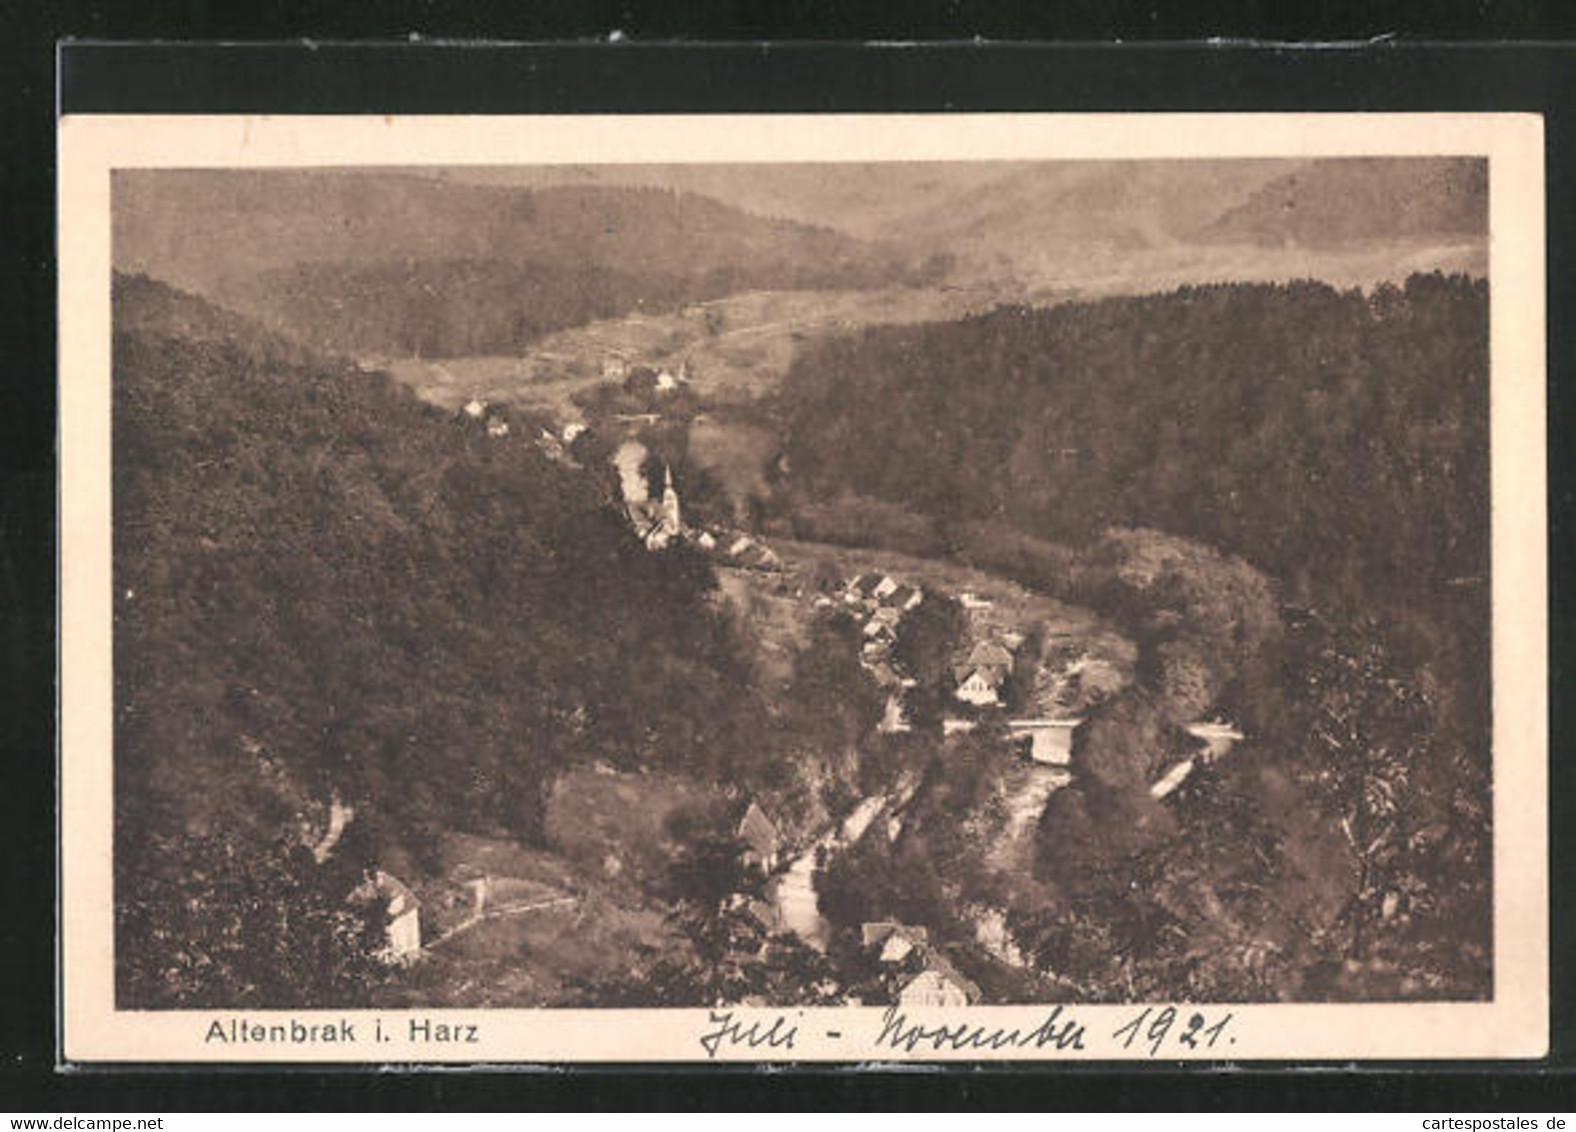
(738, 550)
(879, 602)
(616, 367)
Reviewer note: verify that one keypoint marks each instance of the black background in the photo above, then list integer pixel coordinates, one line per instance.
(638, 75)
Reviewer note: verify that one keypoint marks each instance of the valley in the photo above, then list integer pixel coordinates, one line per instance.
(609, 594)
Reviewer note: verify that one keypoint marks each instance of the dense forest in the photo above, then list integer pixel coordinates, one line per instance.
(1281, 494)
(325, 588)
(1336, 439)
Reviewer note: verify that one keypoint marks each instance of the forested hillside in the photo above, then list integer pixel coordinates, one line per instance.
(334, 259)
(1281, 494)
(454, 307)
(325, 588)
(1332, 438)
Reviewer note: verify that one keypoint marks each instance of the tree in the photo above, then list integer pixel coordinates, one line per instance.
(927, 638)
(1412, 804)
(832, 700)
(210, 921)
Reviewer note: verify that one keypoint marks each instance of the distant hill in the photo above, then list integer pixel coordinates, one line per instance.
(1079, 229)
(352, 259)
(1057, 207)
(1346, 200)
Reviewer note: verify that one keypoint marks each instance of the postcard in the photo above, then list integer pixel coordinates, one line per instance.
(799, 588)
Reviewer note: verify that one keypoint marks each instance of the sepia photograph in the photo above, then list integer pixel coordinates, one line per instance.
(749, 586)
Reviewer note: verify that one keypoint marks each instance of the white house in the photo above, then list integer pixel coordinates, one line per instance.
(939, 984)
(978, 688)
(475, 407)
(402, 929)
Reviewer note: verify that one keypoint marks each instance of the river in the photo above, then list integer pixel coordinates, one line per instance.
(793, 894)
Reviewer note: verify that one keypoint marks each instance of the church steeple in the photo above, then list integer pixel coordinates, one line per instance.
(670, 500)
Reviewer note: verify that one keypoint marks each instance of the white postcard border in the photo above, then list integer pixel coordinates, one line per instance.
(1514, 1024)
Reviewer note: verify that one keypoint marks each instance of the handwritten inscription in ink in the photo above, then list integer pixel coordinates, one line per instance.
(731, 1032)
(1151, 1028)
(1056, 1032)
(1151, 1032)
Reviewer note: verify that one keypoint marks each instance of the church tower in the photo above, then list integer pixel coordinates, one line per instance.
(670, 504)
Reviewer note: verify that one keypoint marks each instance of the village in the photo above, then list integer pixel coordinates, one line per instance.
(1037, 702)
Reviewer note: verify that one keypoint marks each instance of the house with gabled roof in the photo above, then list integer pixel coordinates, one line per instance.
(894, 942)
(762, 841)
(898, 597)
(979, 686)
(990, 654)
(938, 983)
(880, 628)
(401, 911)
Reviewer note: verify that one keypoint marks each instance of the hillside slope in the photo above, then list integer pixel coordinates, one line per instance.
(1077, 204)
(1350, 200)
(1195, 411)
(327, 588)
(1335, 441)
